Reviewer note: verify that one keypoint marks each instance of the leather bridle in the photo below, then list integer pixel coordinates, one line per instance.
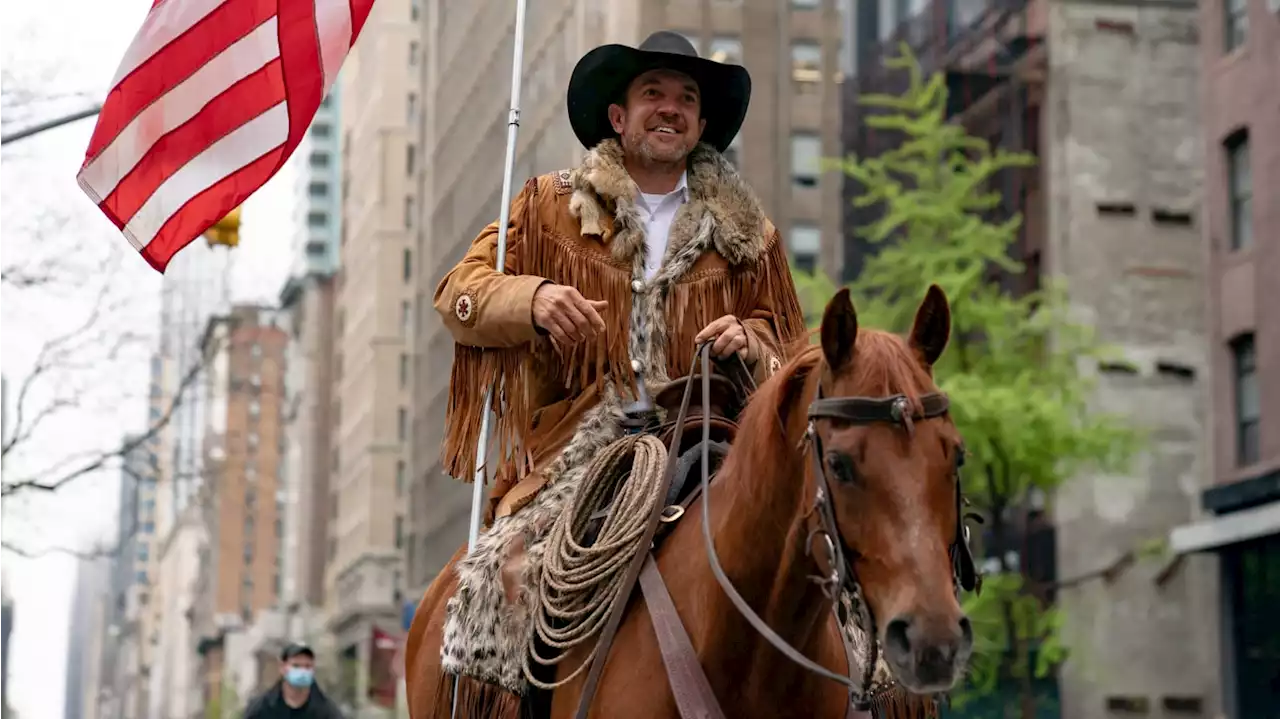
(896, 410)
(693, 693)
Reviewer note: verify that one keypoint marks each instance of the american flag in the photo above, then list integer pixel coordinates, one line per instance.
(209, 102)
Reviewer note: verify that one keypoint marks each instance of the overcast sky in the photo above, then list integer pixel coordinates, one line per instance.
(61, 47)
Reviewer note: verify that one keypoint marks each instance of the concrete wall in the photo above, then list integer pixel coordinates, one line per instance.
(1122, 128)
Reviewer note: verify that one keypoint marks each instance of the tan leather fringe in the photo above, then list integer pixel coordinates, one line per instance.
(476, 700)
(539, 254)
(898, 703)
(769, 281)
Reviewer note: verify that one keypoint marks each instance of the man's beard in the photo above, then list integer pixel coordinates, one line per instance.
(638, 144)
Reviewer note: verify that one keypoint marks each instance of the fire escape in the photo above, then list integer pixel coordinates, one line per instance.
(992, 55)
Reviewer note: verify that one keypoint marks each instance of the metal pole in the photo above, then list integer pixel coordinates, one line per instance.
(504, 218)
(50, 124)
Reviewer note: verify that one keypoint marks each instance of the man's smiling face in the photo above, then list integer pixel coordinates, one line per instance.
(662, 120)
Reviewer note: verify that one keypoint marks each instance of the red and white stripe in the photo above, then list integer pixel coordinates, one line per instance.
(209, 102)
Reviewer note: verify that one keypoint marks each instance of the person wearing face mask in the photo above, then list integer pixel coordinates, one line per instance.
(295, 695)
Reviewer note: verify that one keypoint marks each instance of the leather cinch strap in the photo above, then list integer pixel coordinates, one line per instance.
(619, 609)
(693, 694)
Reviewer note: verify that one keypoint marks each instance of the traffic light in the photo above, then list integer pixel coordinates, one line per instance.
(225, 231)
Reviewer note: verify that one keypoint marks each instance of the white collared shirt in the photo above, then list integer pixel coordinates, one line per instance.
(657, 212)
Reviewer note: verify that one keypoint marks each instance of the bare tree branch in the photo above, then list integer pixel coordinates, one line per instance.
(101, 550)
(104, 460)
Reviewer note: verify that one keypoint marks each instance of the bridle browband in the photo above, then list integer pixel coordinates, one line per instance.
(897, 410)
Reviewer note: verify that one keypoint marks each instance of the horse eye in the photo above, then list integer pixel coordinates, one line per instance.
(959, 457)
(841, 466)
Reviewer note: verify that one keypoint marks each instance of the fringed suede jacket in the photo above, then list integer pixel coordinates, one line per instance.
(581, 228)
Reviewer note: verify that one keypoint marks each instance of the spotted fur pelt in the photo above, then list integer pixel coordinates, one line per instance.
(485, 636)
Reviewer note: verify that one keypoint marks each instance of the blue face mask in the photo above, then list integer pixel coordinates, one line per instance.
(300, 677)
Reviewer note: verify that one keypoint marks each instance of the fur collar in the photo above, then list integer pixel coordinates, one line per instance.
(602, 187)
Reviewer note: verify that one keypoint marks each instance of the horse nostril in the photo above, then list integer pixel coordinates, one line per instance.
(966, 632)
(896, 639)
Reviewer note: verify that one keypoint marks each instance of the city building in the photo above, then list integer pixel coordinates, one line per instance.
(196, 288)
(797, 58)
(174, 686)
(317, 199)
(1236, 527)
(121, 682)
(240, 505)
(307, 305)
(85, 636)
(372, 330)
(1106, 95)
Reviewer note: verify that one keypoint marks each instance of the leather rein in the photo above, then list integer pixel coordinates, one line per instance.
(695, 690)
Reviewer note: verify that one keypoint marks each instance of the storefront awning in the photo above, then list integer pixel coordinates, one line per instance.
(1226, 529)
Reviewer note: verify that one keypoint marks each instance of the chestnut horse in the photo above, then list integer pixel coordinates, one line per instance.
(894, 501)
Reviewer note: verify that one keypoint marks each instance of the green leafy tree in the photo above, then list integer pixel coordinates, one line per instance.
(1012, 368)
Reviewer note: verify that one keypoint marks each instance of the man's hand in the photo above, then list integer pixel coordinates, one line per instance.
(566, 315)
(729, 334)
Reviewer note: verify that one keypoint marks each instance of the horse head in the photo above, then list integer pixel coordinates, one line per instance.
(889, 458)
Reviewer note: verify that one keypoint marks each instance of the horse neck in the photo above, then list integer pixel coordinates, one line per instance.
(759, 524)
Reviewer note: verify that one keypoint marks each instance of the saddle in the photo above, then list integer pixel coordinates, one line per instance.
(727, 398)
(729, 391)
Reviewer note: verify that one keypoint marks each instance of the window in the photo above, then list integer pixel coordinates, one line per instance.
(406, 317)
(409, 153)
(1235, 24)
(806, 61)
(402, 424)
(317, 219)
(413, 53)
(408, 212)
(318, 189)
(806, 4)
(806, 159)
(400, 472)
(255, 408)
(726, 49)
(806, 242)
(321, 129)
(319, 160)
(255, 350)
(415, 7)
(399, 532)
(411, 108)
(404, 370)
(1240, 191)
(406, 265)
(1248, 400)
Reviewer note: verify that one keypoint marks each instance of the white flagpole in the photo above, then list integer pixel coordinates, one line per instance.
(504, 218)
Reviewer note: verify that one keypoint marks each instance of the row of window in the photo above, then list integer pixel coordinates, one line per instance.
(806, 55)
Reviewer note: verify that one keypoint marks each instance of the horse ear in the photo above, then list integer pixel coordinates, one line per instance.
(932, 327)
(839, 330)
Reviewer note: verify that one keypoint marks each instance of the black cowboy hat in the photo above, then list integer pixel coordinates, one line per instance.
(602, 76)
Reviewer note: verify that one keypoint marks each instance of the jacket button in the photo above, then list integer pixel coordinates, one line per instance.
(637, 286)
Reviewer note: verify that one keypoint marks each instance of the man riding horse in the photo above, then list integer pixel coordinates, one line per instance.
(619, 267)
(620, 273)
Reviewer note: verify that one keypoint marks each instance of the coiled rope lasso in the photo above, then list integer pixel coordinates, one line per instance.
(579, 583)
